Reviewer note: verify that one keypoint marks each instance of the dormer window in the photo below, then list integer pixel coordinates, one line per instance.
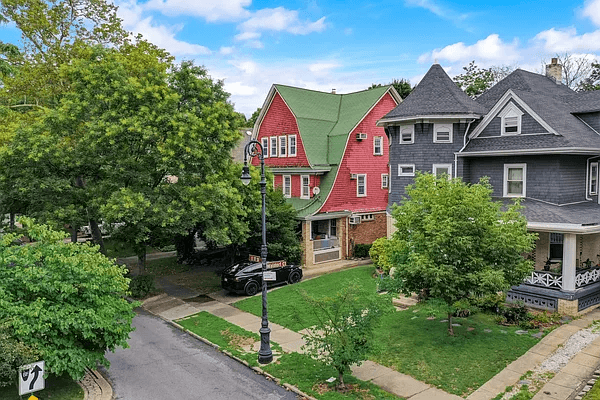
(511, 120)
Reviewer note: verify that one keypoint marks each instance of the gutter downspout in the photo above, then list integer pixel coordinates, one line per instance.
(460, 151)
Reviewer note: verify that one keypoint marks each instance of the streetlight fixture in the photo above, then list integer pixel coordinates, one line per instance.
(265, 355)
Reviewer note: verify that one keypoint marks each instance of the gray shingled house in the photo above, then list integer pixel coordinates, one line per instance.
(534, 138)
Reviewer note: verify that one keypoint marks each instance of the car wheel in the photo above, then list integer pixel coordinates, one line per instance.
(294, 277)
(251, 288)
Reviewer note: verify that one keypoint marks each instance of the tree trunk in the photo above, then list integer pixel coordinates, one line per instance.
(12, 221)
(141, 254)
(341, 384)
(97, 235)
(184, 244)
(450, 328)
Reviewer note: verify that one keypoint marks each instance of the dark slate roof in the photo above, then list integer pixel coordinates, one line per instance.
(587, 213)
(582, 102)
(553, 103)
(436, 94)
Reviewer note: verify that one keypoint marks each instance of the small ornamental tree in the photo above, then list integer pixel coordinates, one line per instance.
(65, 300)
(343, 335)
(459, 241)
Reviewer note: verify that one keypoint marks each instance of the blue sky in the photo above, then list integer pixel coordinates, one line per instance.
(325, 44)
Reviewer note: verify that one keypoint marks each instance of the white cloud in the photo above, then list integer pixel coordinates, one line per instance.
(491, 50)
(567, 40)
(323, 67)
(437, 9)
(277, 19)
(161, 35)
(592, 11)
(211, 10)
(226, 50)
(239, 89)
(247, 67)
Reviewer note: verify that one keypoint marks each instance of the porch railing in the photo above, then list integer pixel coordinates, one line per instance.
(545, 279)
(323, 244)
(587, 277)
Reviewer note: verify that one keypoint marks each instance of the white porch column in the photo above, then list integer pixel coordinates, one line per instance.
(568, 263)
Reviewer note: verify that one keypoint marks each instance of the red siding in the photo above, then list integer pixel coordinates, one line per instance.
(297, 183)
(278, 121)
(359, 159)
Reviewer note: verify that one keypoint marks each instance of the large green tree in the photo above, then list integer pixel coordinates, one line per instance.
(455, 242)
(402, 86)
(64, 300)
(475, 80)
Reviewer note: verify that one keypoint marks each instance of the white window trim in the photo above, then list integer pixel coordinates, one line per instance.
(273, 139)
(505, 180)
(302, 196)
(289, 143)
(267, 149)
(282, 145)
(412, 134)
(400, 166)
(357, 185)
(436, 166)
(438, 126)
(387, 181)
(511, 110)
(590, 179)
(283, 186)
(380, 145)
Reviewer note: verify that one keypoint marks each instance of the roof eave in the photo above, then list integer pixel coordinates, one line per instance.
(563, 228)
(389, 121)
(521, 152)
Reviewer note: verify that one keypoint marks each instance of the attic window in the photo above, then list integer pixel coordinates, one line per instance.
(407, 134)
(511, 120)
(442, 133)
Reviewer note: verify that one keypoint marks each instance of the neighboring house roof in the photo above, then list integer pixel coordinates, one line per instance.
(237, 153)
(553, 103)
(435, 95)
(324, 121)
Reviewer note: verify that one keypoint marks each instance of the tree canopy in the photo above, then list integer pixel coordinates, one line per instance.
(402, 86)
(475, 80)
(64, 300)
(455, 242)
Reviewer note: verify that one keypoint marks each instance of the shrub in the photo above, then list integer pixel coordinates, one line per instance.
(492, 302)
(463, 308)
(515, 313)
(377, 253)
(141, 285)
(13, 354)
(390, 284)
(361, 250)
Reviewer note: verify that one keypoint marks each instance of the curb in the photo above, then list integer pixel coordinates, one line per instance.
(95, 386)
(588, 385)
(258, 370)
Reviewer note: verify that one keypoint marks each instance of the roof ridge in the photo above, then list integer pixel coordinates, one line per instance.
(333, 94)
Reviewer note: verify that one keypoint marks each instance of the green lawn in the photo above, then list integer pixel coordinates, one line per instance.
(296, 369)
(594, 393)
(407, 341)
(57, 388)
(202, 280)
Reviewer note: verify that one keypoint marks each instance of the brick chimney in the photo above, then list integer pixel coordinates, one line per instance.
(554, 70)
(333, 91)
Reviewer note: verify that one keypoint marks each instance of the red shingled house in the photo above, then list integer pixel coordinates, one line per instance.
(331, 161)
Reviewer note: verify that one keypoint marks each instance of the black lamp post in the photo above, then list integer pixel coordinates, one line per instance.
(265, 355)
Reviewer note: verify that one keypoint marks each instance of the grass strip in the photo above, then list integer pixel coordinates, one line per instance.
(296, 369)
(594, 393)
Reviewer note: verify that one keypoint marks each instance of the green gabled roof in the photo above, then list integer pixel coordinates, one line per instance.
(325, 120)
(325, 116)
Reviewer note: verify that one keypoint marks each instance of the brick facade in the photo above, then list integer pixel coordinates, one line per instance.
(367, 231)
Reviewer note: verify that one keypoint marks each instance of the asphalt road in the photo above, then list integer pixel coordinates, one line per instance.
(164, 363)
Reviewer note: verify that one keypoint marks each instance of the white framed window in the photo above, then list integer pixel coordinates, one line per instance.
(385, 181)
(287, 186)
(292, 146)
(367, 217)
(273, 151)
(515, 176)
(593, 178)
(378, 145)
(406, 169)
(442, 133)
(441, 169)
(361, 185)
(407, 134)
(305, 193)
(511, 120)
(282, 146)
(555, 251)
(265, 145)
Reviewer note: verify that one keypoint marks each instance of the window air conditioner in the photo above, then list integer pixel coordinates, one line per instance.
(355, 220)
(361, 136)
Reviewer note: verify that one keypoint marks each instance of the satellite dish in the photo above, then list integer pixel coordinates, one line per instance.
(316, 190)
(249, 133)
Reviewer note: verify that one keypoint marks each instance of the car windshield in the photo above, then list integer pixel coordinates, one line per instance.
(252, 268)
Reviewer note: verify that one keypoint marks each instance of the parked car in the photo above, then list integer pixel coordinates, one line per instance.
(246, 277)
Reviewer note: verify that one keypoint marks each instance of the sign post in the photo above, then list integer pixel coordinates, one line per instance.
(31, 378)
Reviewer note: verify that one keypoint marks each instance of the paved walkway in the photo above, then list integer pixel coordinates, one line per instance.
(564, 386)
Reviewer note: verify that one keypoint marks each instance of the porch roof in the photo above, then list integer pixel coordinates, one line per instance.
(582, 218)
